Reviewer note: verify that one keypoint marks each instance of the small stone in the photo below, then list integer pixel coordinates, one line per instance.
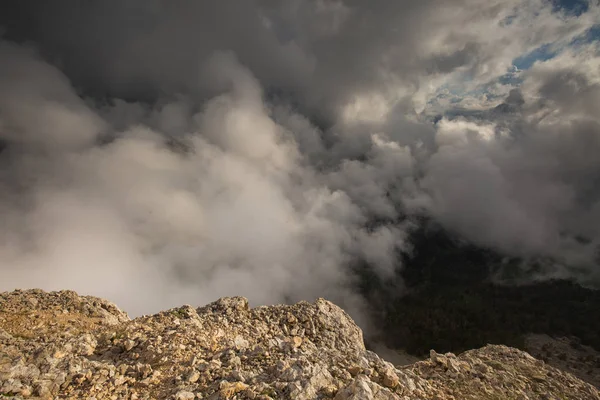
(250, 394)
(390, 379)
(185, 395)
(434, 356)
(128, 345)
(240, 343)
(44, 389)
(236, 375)
(296, 341)
(227, 389)
(58, 354)
(203, 366)
(359, 389)
(193, 377)
(25, 391)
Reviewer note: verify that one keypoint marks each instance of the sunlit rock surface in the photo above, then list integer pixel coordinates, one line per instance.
(61, 345)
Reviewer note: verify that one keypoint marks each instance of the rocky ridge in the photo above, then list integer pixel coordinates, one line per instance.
(567, 354)
(61, 345)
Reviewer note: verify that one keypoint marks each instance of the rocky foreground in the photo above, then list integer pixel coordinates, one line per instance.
(61, 345)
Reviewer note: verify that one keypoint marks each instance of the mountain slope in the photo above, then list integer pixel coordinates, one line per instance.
(61, 345)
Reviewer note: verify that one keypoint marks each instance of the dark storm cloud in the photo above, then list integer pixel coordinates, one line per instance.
(148, 49)
(324, 52)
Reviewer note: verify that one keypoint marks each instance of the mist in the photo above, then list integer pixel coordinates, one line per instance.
(163, 153)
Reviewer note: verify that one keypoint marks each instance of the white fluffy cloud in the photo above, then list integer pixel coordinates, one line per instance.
(527, 182)
(235, 211)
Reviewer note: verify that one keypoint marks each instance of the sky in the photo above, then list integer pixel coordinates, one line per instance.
(158, 153)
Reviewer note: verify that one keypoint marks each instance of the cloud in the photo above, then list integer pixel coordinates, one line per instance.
(28, 118)
(174, 152)
(234, 211)
(529, 186)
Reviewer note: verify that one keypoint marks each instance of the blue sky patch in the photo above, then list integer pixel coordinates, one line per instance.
(542, 53)
(573, 7)
(546, 52)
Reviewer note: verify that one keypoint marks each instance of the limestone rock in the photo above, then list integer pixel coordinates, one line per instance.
(61, 345)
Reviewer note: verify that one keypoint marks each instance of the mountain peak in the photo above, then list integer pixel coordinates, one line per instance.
(61, 345)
